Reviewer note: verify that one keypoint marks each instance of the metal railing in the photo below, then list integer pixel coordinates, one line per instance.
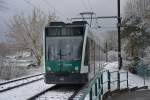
(102, 84)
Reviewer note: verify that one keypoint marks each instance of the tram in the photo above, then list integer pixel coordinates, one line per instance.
(69, 53)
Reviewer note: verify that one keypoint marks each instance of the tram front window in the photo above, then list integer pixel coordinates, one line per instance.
(64, 31)
(64, 43)
(64, 48)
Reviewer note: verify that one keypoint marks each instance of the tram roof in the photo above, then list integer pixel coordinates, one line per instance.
(73, 24)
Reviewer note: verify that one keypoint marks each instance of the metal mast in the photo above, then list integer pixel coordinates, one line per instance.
(119, 37)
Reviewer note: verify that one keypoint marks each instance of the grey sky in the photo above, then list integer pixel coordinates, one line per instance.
(63, 8)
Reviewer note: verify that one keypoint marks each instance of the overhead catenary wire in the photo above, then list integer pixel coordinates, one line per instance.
(28, 2)
(49, 4)
(90, 5)
(2, 5)
(47, 7)
(31, 4)
(84, 5)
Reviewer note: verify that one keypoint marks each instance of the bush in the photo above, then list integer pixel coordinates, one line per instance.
(133, 70)
(133, 66)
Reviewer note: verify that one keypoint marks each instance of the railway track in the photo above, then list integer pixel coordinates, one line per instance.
(49, 92)
(58, 92)
(12, 84)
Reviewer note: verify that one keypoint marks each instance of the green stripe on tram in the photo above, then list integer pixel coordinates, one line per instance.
(63, 66)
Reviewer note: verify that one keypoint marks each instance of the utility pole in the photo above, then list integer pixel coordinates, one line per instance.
(106, 47)
(119, 37)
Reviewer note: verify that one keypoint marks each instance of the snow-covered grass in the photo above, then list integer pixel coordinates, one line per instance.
(18, 65)
(19, 55)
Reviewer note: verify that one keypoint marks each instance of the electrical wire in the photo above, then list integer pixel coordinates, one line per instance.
(89, 3)
(47, 7)
(49, 4)
(84, 5)
(28, 2)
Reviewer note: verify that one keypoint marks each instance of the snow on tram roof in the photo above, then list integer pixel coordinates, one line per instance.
(75, 23)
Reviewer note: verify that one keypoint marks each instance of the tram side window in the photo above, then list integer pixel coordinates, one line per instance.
(53, 31)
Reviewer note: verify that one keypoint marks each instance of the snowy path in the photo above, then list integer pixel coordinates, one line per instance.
(133, 95)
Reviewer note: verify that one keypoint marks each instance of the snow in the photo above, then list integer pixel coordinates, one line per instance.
(19, 59)
(18, 64)
(1, 80)
(20, 54)
(25, 92)
(111, 66)
(56, 95)
(134, 80)
(112, 55)
(9, 85)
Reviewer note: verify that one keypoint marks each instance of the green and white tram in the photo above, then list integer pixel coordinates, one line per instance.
(67, 53)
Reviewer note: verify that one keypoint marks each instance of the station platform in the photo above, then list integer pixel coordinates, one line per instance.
(131, 95)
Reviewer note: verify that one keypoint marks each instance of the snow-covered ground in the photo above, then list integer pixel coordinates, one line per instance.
(61, 93)
(1, 80)
(134, 80)
(19, 82)
(24, 92)
(19, 59)
(56, 95)
(18, 65)
(29, 90)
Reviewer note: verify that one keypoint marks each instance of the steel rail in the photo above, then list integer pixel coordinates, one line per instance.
(75, 93)
(18, 79)
(42, 92)
(16, 86)
(55, 87)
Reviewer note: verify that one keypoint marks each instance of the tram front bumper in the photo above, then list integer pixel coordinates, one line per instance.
(73, 78)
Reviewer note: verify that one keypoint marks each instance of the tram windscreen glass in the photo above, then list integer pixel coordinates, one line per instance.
(53, 31)
(64, 48)
(65, 31)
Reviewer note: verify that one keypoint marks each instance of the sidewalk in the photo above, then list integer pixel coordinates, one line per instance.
(134, 95)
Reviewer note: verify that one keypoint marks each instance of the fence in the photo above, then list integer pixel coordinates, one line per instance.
(102, 84)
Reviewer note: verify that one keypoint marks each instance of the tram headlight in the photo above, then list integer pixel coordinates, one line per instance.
(49, 68)
(76, 68)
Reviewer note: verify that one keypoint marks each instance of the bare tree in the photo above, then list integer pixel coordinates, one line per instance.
(137, 7)
(112, 40)
(4, 49)
(27, 32)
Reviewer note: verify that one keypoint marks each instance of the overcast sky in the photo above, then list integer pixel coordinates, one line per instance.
(64, 8)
